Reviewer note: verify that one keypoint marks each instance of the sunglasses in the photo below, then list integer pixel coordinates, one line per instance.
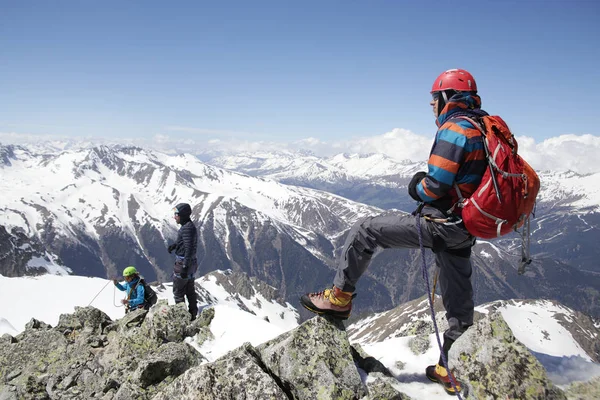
(176, 211)
(436, 95)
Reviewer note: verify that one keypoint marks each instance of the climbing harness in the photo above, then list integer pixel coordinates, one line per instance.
(429, 294)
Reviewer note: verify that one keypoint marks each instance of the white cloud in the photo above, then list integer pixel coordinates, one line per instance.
(566, 152)
(202, 131)
(578, 153)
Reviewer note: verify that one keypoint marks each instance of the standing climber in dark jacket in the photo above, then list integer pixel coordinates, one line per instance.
(186, 262)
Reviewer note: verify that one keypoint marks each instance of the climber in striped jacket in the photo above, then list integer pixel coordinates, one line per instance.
(457, 159)
(457, 155)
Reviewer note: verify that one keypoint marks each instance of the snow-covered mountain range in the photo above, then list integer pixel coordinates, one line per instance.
(92, 211)
(559, 188)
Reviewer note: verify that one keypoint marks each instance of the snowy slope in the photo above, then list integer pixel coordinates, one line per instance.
(546, 328)
(49, 296)
(536, 326)
(580, 192)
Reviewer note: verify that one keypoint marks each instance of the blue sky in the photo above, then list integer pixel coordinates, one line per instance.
(283, 70)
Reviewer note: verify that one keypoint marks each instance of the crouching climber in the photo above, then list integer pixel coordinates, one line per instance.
(139, 294)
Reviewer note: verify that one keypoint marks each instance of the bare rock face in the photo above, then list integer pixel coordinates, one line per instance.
(584, 390)
(496, 365)
(87, 356)
(145, 355)
(314, 359)
(240, 374)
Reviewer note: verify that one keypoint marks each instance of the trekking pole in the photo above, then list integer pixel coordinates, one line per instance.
(98, 293)
(437, 333)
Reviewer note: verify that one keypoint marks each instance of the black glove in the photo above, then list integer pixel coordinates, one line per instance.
(184, 273)
(412, 186)
(171, 247)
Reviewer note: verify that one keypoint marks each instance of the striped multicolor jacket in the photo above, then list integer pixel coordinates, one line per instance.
(457, 154)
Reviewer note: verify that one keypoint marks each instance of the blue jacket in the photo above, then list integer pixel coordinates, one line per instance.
(135, 292)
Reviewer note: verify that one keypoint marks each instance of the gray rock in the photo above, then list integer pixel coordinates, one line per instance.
(35, 324)
(166, 323)
(7, 339)
(419, 344)
(381, 388)
(205, 317)
(584, 390)
(496, 366)
(128, 391)
(314, 361)
(87, 320)
(89, 356)
(240, 374)
(170, 360)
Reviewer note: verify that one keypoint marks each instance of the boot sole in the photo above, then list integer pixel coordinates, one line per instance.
(332, 313)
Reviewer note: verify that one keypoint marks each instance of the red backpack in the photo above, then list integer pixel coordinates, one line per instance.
(506, 195)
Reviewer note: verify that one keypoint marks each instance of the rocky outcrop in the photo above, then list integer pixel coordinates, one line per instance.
(497, 366)
(87, 355)
(312, 361)
(146, 355)
(584, 390)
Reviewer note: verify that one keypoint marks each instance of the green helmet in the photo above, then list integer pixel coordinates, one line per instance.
(129, 271)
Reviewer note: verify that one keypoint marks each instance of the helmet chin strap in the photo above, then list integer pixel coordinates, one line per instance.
(441, 104)
(445, 97)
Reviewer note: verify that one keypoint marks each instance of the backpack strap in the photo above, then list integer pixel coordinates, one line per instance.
(477, 125)
(132, 289)
(490, 160)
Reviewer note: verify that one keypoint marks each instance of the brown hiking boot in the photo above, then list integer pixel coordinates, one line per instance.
(332, 302)
(439, 374)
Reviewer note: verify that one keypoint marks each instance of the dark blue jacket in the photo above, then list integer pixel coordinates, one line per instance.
(186, 248)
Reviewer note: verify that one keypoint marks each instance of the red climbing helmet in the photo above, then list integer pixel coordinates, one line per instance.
(455, 79)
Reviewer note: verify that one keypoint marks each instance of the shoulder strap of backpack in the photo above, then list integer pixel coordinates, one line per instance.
(132, 289)
(478, 126)
(473, 122)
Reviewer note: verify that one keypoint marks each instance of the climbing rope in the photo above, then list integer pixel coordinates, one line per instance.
(98, 293)
(437, 333)
(114, 295)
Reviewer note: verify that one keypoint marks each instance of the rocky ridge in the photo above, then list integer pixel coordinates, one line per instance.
(153, 355)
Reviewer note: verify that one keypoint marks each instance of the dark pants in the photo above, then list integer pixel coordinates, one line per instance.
(186, 288)
(451, 245)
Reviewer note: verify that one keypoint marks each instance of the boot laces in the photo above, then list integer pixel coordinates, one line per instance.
(326, 293)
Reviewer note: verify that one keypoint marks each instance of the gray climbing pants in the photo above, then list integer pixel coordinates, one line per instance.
(450, 243)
